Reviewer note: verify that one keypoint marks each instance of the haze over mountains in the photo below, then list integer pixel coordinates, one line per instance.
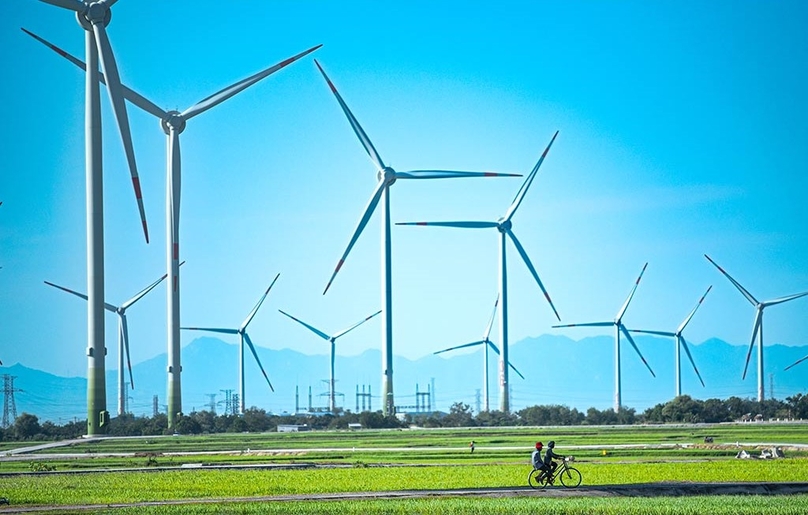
(558, 370)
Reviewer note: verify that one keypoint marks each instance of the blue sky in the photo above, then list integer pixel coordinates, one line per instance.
(682, 132)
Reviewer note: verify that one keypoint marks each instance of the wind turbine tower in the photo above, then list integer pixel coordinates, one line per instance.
(93, 17)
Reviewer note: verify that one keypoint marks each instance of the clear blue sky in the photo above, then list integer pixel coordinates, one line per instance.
(682, 132)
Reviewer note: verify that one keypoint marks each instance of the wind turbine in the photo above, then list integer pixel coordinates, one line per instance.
(332, 339)
(680, 343)
(386, 177)
(123, 335)
(618, 328)
(791, 365)
(173, 124)
(757, 328)
(486, 343)
(243, 336)
(505, 227)
(93, 17)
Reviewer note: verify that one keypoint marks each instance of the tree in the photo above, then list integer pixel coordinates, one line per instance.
(459, 416)
(26, 427)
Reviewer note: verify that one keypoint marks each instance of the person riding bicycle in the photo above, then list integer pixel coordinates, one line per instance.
(535, 458)
(549, 456)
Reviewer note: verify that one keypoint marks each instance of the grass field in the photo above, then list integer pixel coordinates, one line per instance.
(395, 460)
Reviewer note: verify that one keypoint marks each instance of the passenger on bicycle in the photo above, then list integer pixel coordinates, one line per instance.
(535, 458)
(549, 456)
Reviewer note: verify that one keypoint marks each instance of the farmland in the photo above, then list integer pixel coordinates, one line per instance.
(237, 472)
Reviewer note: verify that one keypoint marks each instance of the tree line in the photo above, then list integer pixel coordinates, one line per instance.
(682, 409)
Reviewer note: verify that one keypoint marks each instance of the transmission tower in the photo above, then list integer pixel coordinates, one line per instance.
(9, 405)
(155, 409)
(229, 404)
(212, 403)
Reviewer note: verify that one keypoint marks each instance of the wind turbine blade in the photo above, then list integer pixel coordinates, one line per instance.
(357, 324)
(67, 4)
(587, 324)
(795, 363)
(446, 174)
(129, 94)
(211, 330)
(687, 320)
(681, 340)
(532, 270)
(658, 333)
(125, 336)
(374, 201)
(528, 181)
(142, 293)
(255, 355)
(491, 322)
(464, 225)
(630, 295)
(636, 349)
(116, 98)
(225, 93)
(785, 299)
(755, 329)
(360, 133)
(493, 347)
(472, 344)
(310, 328)
(515, 370)
(107, 306)
(255, 309)
(745, 293)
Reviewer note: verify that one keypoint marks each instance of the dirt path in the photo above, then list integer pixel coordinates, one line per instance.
(637, 490)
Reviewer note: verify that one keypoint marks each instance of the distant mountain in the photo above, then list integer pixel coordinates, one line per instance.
(558, 370)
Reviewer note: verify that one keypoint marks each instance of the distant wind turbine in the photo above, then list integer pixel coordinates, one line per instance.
(331, 339)
(505, 228)
(93, 17)
(123, 335)
(243, 336)
(618, 328)
(680, 343)
(757, 328)
(486, 343)
(173, 123)
(791, 365)
(386, 177)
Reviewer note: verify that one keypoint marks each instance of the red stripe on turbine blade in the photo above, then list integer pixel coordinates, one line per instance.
(421, 223)
(546, 296)
(490, 174)
(176, 251)
(339, 265)
(136, 184)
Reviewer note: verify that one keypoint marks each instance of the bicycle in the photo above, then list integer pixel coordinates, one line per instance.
(569, 476)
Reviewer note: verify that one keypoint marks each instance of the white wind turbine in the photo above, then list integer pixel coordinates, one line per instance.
(123, 335)
(486, 343)
(243, 336)
(505, 227)
(680, 343)
(618, 328)
(173, 123)
(93, 17)
(331, 339)
(386, 177)
(757, 328)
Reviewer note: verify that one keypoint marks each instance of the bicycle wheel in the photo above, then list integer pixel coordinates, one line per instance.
(570, 477)
(534, 481)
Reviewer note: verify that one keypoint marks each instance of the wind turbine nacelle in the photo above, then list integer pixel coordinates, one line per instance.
(388, 175)
(503, 225)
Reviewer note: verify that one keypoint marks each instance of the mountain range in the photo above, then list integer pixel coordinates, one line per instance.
(557, 370)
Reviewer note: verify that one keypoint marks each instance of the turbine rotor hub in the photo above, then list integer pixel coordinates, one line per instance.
(174, 121)
(504, 226)
(388, 175)
(95, 12)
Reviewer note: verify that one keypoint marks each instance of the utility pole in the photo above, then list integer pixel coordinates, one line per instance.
(9, 405)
